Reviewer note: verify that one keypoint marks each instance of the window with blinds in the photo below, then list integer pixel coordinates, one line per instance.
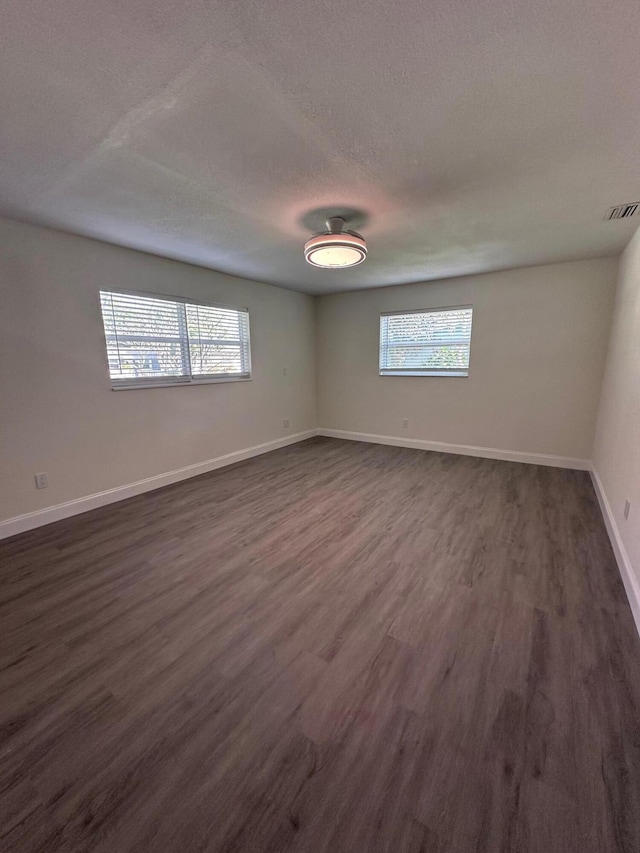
(157, 340)
(426, 343)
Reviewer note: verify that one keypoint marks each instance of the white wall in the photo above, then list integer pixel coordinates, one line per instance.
(616, 456)
(57, 411)
(537, 358)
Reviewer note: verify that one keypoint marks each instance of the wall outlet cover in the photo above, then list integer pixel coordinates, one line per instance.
(42, 481)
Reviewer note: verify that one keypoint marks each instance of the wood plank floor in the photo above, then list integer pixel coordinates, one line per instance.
(333, 647)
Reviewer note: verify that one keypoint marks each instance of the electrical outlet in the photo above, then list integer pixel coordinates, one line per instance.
(42, 481)
(405, 423)
(285, 372)
(627, 507)
(285, 423)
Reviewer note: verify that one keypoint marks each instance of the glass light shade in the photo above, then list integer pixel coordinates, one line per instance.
(333, 251)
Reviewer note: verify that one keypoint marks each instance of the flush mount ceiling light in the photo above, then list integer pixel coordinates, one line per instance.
(335, 248)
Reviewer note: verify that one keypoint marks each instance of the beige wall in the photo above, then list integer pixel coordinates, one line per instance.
(616, 455)
(537, 357)
(57, 411)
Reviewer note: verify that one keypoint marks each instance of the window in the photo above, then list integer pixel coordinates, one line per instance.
(158, 340)
(426, 343)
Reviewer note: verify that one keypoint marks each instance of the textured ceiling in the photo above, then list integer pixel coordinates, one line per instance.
(461, 136)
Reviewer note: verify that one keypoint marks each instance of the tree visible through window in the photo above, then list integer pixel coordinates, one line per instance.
(155, 340)
(426, 343)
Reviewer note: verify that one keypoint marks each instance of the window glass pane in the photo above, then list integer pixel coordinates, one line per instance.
(150, 359)
(426, 342)
(412, 358)
(429, 327)
(207, 358)
(218, 340)
(205, 321)
(149, 338)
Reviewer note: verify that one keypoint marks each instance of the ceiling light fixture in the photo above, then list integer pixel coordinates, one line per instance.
(335, 248)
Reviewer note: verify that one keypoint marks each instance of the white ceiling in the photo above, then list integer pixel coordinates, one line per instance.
(465, 136)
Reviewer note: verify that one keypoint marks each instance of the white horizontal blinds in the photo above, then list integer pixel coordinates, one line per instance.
(153, 340)
(426, 343)
(145, 338)
(218, 341)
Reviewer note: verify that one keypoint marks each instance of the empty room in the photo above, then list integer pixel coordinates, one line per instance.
(319, 427)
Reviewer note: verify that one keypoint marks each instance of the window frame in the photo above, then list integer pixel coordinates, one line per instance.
(452, 373)
(138, 382)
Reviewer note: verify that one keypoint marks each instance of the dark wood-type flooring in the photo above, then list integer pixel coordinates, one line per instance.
(333, 647)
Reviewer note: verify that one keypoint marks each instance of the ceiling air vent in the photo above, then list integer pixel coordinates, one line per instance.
(624, 211)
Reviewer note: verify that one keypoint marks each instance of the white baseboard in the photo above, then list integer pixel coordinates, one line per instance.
(629, 577)
(462, 449)
(21, 523)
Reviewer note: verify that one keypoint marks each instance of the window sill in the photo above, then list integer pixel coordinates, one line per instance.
(455, 374)
(138, 386)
